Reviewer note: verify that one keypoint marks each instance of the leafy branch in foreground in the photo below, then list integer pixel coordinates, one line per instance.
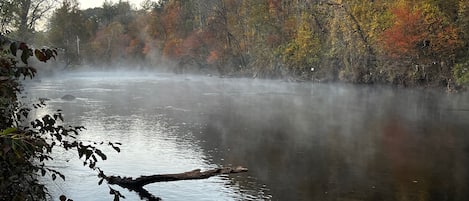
(25, 148)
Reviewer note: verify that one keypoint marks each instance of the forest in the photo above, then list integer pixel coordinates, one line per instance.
(400, 42)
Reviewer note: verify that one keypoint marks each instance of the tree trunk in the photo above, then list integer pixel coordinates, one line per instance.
(23, 15)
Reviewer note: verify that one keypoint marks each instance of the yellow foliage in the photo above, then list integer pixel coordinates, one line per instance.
(303, 50)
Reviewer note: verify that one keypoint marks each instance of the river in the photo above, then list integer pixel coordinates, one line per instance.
(300, 141)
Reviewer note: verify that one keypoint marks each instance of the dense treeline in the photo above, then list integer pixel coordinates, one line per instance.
(411, 42)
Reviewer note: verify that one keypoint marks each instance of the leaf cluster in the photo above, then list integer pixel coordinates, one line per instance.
(26, 148)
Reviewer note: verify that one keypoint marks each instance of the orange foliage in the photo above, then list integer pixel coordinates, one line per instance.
(132, 47)
(172, 17)
(403, 37)
(212, 57)
(193, 43)
(447, 40)
(201, 44)
(147, 48)
(414, 35)
(274, 6)
(172, 49)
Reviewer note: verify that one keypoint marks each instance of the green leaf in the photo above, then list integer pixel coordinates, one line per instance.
(25, 56)
(8, 131)
(49, 54)
(14, 48)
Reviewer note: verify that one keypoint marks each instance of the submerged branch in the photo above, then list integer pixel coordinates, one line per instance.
(138, 183)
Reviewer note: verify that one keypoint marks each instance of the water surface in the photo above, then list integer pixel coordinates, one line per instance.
(300, 141)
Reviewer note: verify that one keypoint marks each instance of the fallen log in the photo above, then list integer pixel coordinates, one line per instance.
(138, 183)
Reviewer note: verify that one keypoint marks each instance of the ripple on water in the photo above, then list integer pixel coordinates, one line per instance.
(297, 139)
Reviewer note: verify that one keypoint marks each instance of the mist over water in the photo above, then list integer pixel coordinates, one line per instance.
(300, 141)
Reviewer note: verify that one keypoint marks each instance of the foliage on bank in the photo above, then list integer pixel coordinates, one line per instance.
(416, 42)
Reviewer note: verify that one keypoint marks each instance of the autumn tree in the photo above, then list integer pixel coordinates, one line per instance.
(402, 42)
(301, 53)
(422, 43)
(351, 35)
(105, 33)
(260, 32)
(110, 43)
(227, 53)
(135, 50)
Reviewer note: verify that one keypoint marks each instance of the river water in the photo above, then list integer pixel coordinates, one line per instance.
(300, 141)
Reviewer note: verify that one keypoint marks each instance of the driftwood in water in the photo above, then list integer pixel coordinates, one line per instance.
(138, 183)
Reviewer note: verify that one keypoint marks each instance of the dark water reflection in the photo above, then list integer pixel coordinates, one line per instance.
(299, 141)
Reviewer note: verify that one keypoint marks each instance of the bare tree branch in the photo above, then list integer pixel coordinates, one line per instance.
(138, 183)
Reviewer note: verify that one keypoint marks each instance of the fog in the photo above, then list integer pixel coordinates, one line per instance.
(300, 141)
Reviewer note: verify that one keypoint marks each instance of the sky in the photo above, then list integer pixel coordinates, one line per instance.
(84, 4)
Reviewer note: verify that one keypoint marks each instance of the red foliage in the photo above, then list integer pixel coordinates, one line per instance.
(201, 44)
(402, 39)
(417, 36)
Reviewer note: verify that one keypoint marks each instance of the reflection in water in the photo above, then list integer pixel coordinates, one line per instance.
(299, 141)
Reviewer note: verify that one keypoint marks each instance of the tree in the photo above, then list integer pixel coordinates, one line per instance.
(27, 14)
(423, 42)
(302, 53)
(69, 36)
(7, 10)
(137, 184)
(356, 41)
(460, 70)
(109, 44)
(258, 28)
(351, 35)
